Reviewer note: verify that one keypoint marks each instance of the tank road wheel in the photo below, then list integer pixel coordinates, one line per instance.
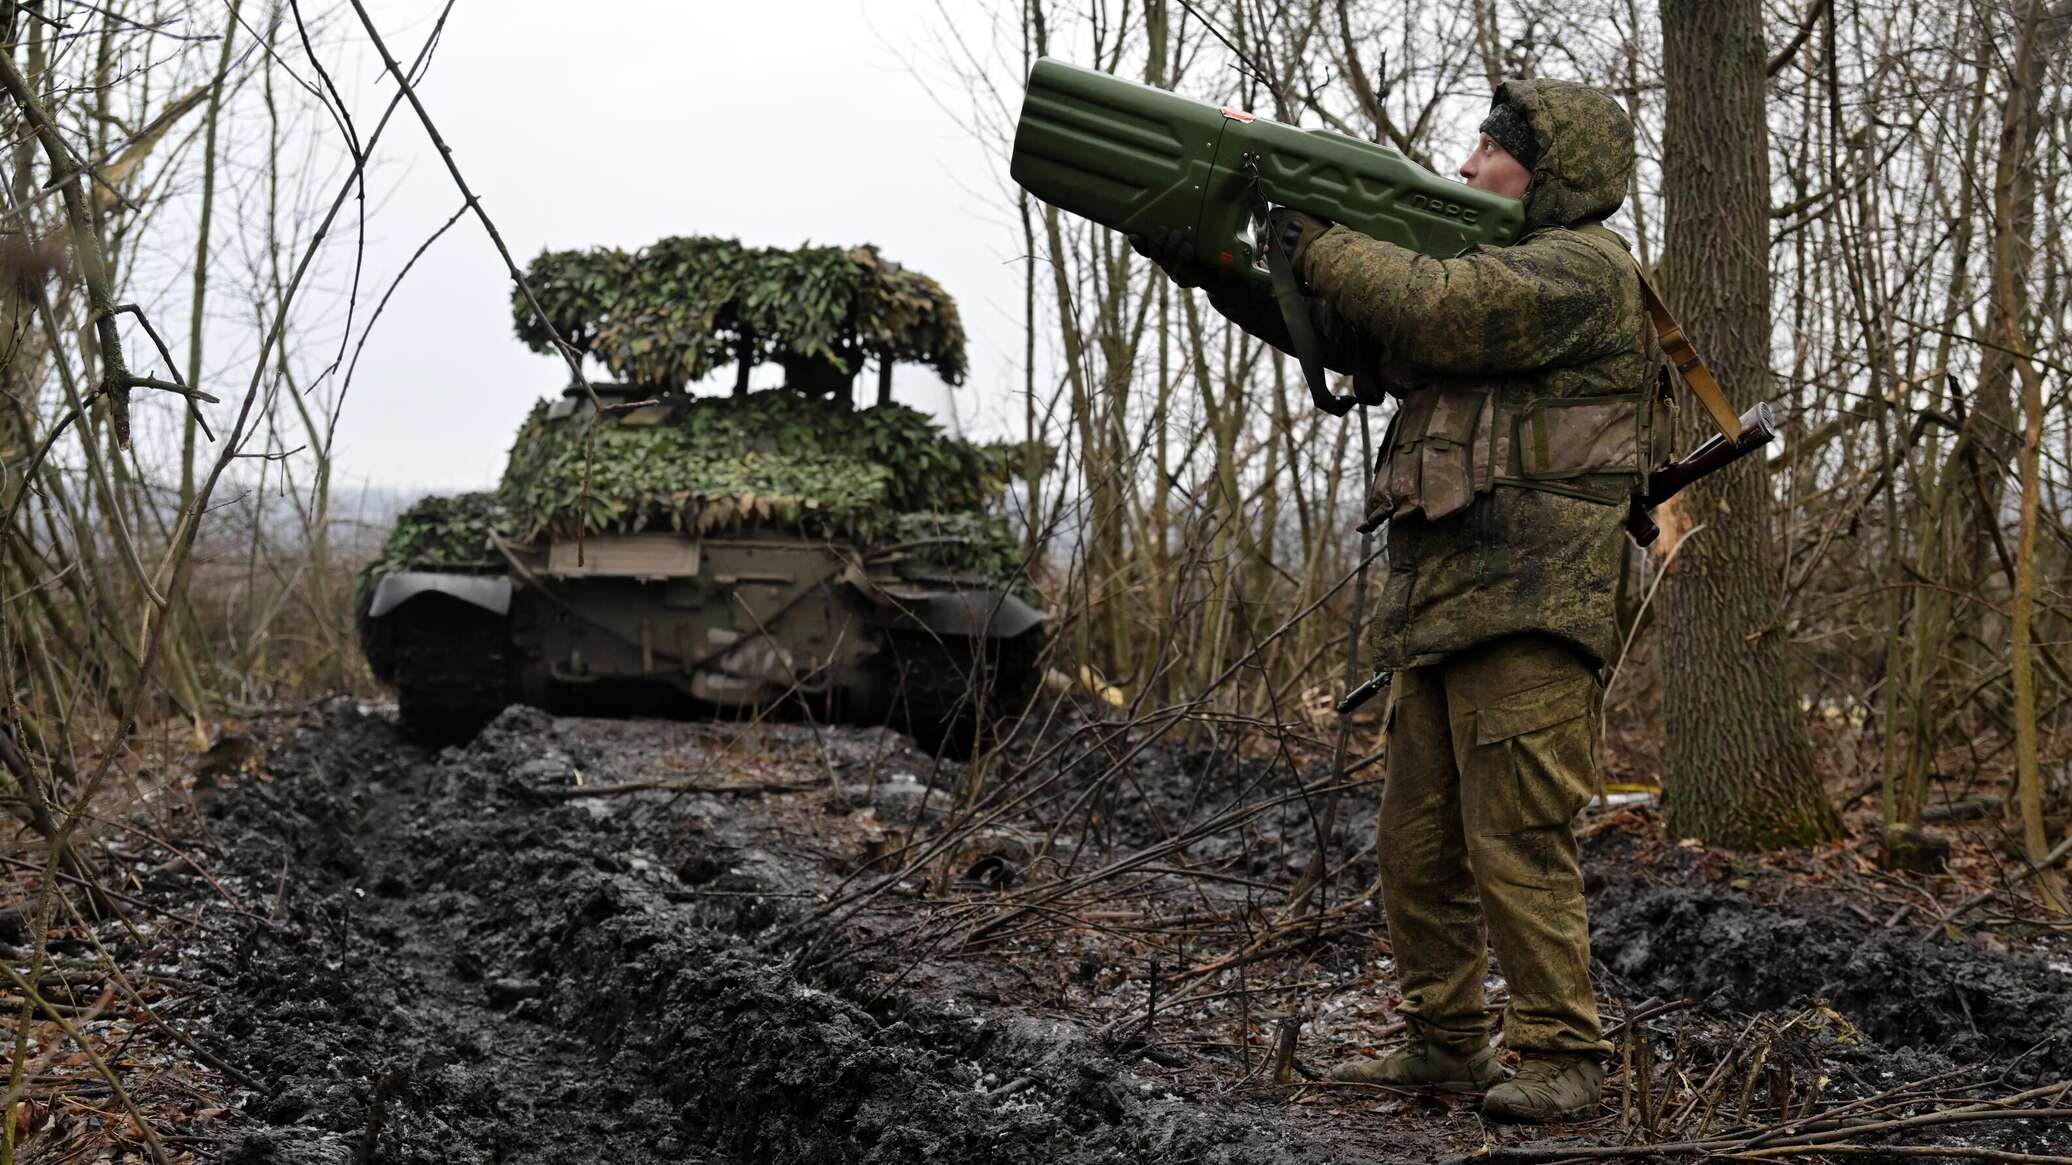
(953, 693)
(452, 667)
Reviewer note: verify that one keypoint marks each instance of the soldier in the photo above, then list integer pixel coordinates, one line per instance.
(1528, 381)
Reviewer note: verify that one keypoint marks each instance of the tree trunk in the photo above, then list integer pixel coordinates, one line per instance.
(2014, 195)
(201, 251)
(1740, 764)
(1993, 433)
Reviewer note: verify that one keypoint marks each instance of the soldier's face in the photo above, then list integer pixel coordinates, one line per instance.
(1491, 167)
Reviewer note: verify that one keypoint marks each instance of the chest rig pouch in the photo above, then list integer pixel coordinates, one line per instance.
(1448, 444)
(1439, 453)
(1566, 439)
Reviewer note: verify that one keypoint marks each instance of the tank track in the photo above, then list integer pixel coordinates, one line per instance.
(954, 694)
(450, 662)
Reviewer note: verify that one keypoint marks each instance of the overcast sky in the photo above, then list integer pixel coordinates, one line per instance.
(616, 122)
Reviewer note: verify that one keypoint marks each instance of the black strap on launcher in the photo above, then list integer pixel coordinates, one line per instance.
(1294, 305)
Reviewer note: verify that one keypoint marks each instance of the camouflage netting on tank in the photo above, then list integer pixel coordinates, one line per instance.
(668, 314)
(448, 533)
(707, 463)
(884, 478)
(975, 544)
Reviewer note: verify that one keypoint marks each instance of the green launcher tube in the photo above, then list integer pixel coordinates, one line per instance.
(1132, 157)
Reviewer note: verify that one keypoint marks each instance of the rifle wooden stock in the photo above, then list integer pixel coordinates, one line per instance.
(1757, 427)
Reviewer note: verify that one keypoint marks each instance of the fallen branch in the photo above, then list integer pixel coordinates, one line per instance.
(1963, 1152)
(1647, 1013)
(2056, 855)
(576, 792)
(1765, 1143)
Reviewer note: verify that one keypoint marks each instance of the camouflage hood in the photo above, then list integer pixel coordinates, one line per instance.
(1586, 151)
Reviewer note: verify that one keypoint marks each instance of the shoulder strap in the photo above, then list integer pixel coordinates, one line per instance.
(1696, 376)
(1302, 334)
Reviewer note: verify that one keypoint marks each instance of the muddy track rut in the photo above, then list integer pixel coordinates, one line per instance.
(455, 970)
(582, 978)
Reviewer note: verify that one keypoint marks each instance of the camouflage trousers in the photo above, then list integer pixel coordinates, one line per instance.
(1490, 753)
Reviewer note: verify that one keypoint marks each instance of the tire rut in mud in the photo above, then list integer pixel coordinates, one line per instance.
(577, 982)
(596, 980)
(378, 977)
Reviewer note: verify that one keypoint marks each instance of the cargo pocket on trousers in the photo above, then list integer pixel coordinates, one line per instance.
(1548, 735)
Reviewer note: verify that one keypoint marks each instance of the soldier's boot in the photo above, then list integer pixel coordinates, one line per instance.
(1547, 1088)
(1419, 1064)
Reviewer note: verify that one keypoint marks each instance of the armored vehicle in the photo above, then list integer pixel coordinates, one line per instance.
(652, 549)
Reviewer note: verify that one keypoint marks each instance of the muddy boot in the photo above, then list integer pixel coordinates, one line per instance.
(1418, 1064)
(1547, 1088)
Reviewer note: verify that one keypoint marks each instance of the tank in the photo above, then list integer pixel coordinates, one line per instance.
(784, 551)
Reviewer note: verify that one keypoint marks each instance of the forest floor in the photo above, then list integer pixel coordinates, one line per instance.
(644, 941)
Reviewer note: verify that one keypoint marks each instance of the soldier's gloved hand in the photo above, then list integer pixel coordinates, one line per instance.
(1291, 231)
(1173, 251)
(1376, 378)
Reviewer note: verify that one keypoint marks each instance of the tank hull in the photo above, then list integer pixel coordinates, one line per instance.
(730, 626)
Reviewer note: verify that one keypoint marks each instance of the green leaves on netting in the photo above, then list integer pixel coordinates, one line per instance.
(667, 315)
(962, 544)
(884, 479)
(771, 459)
(444, 533)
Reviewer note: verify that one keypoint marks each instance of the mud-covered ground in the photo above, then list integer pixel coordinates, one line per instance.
(591, 940)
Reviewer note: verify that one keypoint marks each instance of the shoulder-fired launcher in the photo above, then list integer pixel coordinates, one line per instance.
(1132, 157)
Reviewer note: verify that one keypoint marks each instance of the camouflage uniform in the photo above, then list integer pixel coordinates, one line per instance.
(1530, 402)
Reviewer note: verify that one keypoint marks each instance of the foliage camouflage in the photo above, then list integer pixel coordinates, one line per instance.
(708, 463)
(446, 533)
(885, 478)
(967, 544)
(668, 314)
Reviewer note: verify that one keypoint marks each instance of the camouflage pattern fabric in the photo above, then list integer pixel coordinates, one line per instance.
(1490, 755)
(1498, 609)
(1555, 316)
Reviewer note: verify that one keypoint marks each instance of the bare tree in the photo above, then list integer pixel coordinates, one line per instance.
(1740, 765)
